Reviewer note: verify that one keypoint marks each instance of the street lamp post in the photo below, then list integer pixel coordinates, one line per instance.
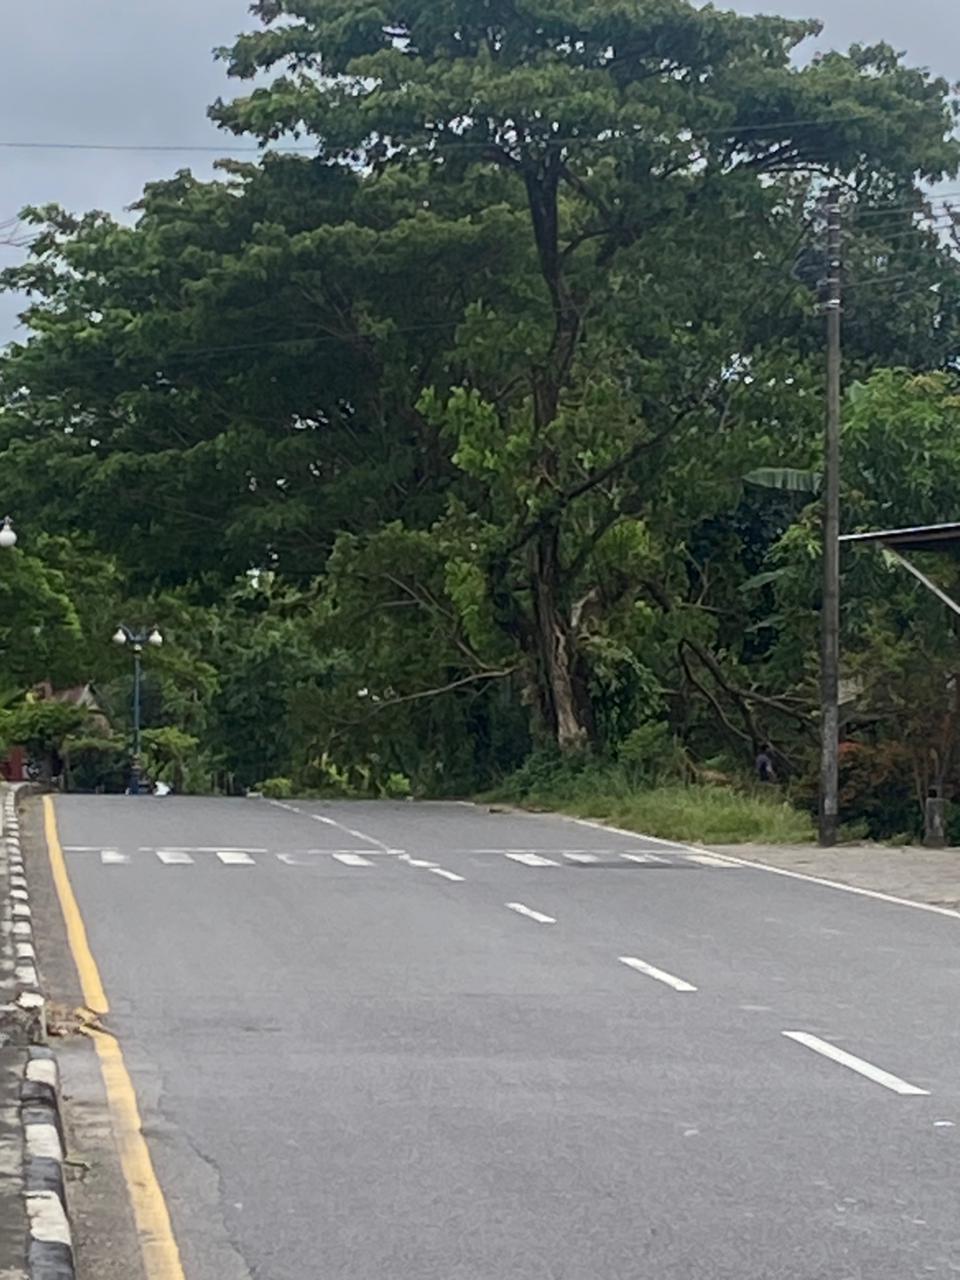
(136, 640)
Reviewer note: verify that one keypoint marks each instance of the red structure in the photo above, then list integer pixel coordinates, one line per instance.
(12, 767)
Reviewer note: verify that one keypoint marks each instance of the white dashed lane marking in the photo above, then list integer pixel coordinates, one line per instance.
(447, 875)
(235, 858)
(353, 859)
(537, 916)
(174, 857)
(532, 860)
(660, 975)
(112, 857)
(645, 859)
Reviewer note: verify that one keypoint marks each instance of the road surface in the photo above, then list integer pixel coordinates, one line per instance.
(433, 1042)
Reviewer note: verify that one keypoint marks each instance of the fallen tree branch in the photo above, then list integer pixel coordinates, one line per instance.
(710, 697)
(446, 688)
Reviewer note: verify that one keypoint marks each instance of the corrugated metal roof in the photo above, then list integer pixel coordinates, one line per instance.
(932, 537)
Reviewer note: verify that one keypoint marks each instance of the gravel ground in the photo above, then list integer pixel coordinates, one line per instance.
(925, 875)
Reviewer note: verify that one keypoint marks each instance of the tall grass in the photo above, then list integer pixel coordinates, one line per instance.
(672, 811)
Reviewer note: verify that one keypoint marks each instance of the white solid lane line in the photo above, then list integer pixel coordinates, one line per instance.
(235, 858)
(521, 910)
(174, 856)
(353, 860)
(447, 875)
(661, 975)
(112, 857)
(867, 1069)
(532, 860)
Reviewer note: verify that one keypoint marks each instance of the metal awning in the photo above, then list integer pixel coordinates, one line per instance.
(931, 537)
(895, 542)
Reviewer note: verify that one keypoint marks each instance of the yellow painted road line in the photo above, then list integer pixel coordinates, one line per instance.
(161, 1257)
(94, 996)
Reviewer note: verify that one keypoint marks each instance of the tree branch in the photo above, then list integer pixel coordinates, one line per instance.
(710, 697)
(593, 481)
(445, 688)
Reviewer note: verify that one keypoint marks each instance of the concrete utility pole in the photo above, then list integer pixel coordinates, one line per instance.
(830, 614)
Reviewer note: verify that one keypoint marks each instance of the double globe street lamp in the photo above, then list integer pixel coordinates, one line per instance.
(136, 640)
(8, 534)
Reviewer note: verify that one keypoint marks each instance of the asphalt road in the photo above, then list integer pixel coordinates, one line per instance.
(430, 1042)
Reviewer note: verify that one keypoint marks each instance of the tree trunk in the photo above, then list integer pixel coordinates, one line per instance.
(564, 705)
(564, 699)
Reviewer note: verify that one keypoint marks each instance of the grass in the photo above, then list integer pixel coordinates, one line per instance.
(672, 811)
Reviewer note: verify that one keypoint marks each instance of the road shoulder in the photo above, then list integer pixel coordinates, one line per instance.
(928, 876)
(104, 1235)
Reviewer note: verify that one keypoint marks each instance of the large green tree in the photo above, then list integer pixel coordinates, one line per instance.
(492, 358)
(634, 134)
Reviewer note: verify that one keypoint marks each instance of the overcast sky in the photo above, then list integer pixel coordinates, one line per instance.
(141, 72)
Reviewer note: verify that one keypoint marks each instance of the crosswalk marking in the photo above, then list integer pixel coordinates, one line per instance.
(204, 848)
(368, 857)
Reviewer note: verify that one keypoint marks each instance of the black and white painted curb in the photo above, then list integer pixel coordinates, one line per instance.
(30, 1006)
(50, 1244)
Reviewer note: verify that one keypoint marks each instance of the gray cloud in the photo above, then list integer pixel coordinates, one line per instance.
(142, 72)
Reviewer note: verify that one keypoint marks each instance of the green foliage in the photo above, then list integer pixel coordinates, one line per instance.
(171, 756)
(488, 427)
(672, 811)
(96, 763)
(276, 788)
(41, 728)
(647, 751)
(397, 787)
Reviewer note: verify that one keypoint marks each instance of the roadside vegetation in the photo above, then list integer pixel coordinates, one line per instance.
(474, 433)
(704, 813)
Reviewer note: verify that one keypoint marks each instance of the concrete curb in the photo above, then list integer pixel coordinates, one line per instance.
(50, 1247)
(50, 1240)
(29, 1016)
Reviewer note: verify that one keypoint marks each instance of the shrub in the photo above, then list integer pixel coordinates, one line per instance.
(96, 763)
(276, 788)
(397, 787)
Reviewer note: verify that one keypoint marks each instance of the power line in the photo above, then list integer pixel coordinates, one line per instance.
(445, 140)
(915, 206)
(157, 361)
(873, 282)
(149, 147)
